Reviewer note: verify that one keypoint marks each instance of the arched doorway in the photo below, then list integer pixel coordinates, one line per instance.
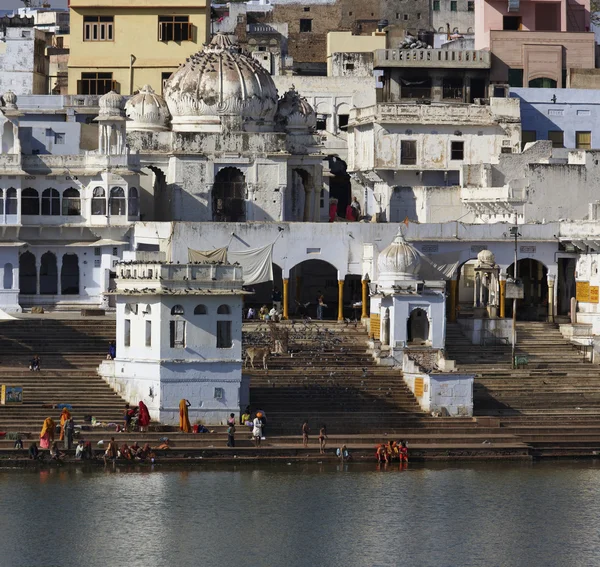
(27, 274)
(339, 184)
(465, 289)
(534, 305)
(303, 197)
(229, 196)
(309, 279)
(418, 326)
(262, 293)
(48, 275)
(69, 275)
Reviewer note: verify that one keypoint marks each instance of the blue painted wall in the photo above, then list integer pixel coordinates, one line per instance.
(574, 110)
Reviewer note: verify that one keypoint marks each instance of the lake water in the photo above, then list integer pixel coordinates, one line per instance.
(496, 514)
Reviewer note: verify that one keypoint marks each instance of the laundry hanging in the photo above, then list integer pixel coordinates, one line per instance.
(257, 263)
(210, 256)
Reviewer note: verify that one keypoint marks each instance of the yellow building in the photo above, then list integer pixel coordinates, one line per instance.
(346, 42)
(125, 44)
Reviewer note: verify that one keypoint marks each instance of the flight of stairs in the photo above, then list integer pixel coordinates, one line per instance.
(552, 404)
(70, 351)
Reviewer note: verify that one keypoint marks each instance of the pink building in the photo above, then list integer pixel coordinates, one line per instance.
(534, 43)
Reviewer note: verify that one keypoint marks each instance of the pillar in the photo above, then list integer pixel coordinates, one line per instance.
(340, 300)
(38, 266)
(452, 294)
(286, 282)
(365, 296)
(551, 279)
(502, 299)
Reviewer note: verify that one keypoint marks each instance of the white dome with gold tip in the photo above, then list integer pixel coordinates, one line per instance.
(220, 84)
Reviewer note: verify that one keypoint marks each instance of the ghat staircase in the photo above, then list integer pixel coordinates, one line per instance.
(552, 403)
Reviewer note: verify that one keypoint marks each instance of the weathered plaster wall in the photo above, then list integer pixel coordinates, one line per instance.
(23, 61)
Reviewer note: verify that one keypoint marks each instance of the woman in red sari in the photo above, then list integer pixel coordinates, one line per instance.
(47, 433)
(144, 417)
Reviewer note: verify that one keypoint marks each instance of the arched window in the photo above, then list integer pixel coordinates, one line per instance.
(147, 310)
(27, 274)
(117, 204)
(71, 203)
(50, 202)
(223, 310)
(229, 195)
(30, 202)
(177, 310)
(8, 276)
(542, 83)
(200, 310)
(12, 203)
(99, 201)
(133, 203)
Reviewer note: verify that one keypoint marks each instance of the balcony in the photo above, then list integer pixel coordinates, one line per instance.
(432, 58)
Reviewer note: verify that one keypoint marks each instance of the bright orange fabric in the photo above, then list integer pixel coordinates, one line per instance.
(184, 420)
(64, 417)
(48, 428)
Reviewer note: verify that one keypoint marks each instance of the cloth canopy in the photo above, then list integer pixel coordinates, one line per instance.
(439, 267)
(257, 263)
(216, 255)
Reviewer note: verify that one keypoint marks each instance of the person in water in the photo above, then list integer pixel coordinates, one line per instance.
(403, 452)
(112, 451)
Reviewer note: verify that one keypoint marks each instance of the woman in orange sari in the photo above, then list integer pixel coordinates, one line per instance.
(184, 420)
(64, 417)
(47, 433)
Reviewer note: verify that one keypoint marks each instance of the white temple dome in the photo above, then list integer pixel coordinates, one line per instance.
(220, 81)
(486, 258)
(10, 100)
(111, 104)
(147, 111)
(294, 112)
(399, 261)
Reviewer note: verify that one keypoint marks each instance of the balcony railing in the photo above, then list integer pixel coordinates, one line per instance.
(433, 58)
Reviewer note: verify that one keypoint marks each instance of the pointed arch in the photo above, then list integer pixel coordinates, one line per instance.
(69, 275)
(27, 274)
(229, 195)
(48, 274)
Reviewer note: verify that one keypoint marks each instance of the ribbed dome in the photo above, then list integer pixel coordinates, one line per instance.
(147, 111)
(111, 104)
(220, 81)
(399, 261)
(294, 112)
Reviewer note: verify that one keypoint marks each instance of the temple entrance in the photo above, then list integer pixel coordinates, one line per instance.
(418, 327)
(69, 275)
(339, 185)
(27, 274)
(302, 196)
(566, 284)
(48, 275)
(534, 305)
(229, 196)
(309, 279)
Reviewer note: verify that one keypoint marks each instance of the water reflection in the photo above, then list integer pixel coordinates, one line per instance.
(304, 515)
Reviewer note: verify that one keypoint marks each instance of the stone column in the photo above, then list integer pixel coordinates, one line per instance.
(308, 196)
(38, 266)
(502, 295)
(340, 300)
(59, 262)
(286, 282)
(452, 296)
(551, 278)
(476, 281)
(365, 295)
(437, 88)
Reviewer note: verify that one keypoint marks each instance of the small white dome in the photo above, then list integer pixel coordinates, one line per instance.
(10, 100)
(486, 258)
(111, 104)
(294, 112)
(399, 261)
(147, 111)
(220, 81)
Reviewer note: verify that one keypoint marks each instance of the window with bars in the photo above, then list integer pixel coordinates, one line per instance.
(177, 334)
(96, 84)
(174, 28)
(98, 28)
(457, 151)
